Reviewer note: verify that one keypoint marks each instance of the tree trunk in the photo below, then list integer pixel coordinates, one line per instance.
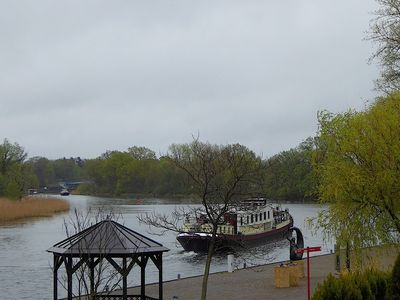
(207, 267)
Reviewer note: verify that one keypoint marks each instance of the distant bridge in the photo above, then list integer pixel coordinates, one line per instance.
(71, 184)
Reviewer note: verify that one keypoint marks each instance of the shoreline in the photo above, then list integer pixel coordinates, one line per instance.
(15, 211)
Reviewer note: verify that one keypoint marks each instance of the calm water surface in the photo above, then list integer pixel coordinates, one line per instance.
(25, 266)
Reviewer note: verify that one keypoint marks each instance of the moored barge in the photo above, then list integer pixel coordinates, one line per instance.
(254, 221)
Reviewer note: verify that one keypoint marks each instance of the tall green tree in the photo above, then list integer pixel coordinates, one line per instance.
(15, 175)
(358, 167)
(44, 170)
(10, 155)
(289, 174)
(141, 153)
(67, 169)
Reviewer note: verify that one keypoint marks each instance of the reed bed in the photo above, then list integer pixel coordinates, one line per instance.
(30, 207)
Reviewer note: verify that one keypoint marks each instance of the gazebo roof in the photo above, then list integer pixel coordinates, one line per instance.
(107, 238)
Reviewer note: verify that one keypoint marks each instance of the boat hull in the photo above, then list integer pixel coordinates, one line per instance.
(200, 242)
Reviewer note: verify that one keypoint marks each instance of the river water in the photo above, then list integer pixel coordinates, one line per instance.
(25, 266)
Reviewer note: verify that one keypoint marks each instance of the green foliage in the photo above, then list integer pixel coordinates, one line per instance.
(86, 188)
(396, 279)
(67, 169)
(116, 173)
(44, 170)
(12, 190)
(289, 174)
(16, 176)
(10, 155)
(141, 153)
(357, 163)
(369, 285)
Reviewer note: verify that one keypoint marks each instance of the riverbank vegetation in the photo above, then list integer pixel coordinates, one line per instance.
(371, 284)
(11, 210)
(357, 163)
(138, 172)
(15, 175)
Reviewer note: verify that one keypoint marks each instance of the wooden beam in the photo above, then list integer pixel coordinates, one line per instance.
(96, 262)
(132, 263)
(79, 264)
(115, 265)
(156, 260)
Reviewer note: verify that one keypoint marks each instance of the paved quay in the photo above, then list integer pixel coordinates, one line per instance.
(257, 282)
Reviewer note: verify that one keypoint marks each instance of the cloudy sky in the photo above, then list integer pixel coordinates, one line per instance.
(78, 78)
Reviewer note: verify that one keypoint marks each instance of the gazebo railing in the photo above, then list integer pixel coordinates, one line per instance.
(119, 297)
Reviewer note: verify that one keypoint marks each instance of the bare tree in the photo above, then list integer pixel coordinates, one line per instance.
(219, 176)
(106, 278)
(385, 32)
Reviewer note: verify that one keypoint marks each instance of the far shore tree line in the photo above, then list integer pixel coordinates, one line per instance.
(138, 172)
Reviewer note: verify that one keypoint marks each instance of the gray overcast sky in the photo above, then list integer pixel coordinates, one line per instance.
(78, 78)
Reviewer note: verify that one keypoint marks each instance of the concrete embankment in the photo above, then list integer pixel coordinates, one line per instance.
(258, 282)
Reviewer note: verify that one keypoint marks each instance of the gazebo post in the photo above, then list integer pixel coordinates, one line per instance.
(91, 267)
(160, 277)
(69, 276)
(55, 276)
(142, 277)
(124, 279)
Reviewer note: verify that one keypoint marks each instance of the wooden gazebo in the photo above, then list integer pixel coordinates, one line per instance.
(107, 240)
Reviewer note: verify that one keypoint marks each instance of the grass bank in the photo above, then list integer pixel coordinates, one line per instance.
(30, 207)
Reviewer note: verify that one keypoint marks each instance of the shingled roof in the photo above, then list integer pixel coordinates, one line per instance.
(107, 238)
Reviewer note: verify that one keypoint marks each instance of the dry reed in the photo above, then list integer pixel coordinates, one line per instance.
(31, 207)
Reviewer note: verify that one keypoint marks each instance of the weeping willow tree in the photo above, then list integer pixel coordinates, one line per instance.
(358, 167)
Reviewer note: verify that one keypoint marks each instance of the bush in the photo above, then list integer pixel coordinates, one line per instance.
(368, 285)
(86, 189)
